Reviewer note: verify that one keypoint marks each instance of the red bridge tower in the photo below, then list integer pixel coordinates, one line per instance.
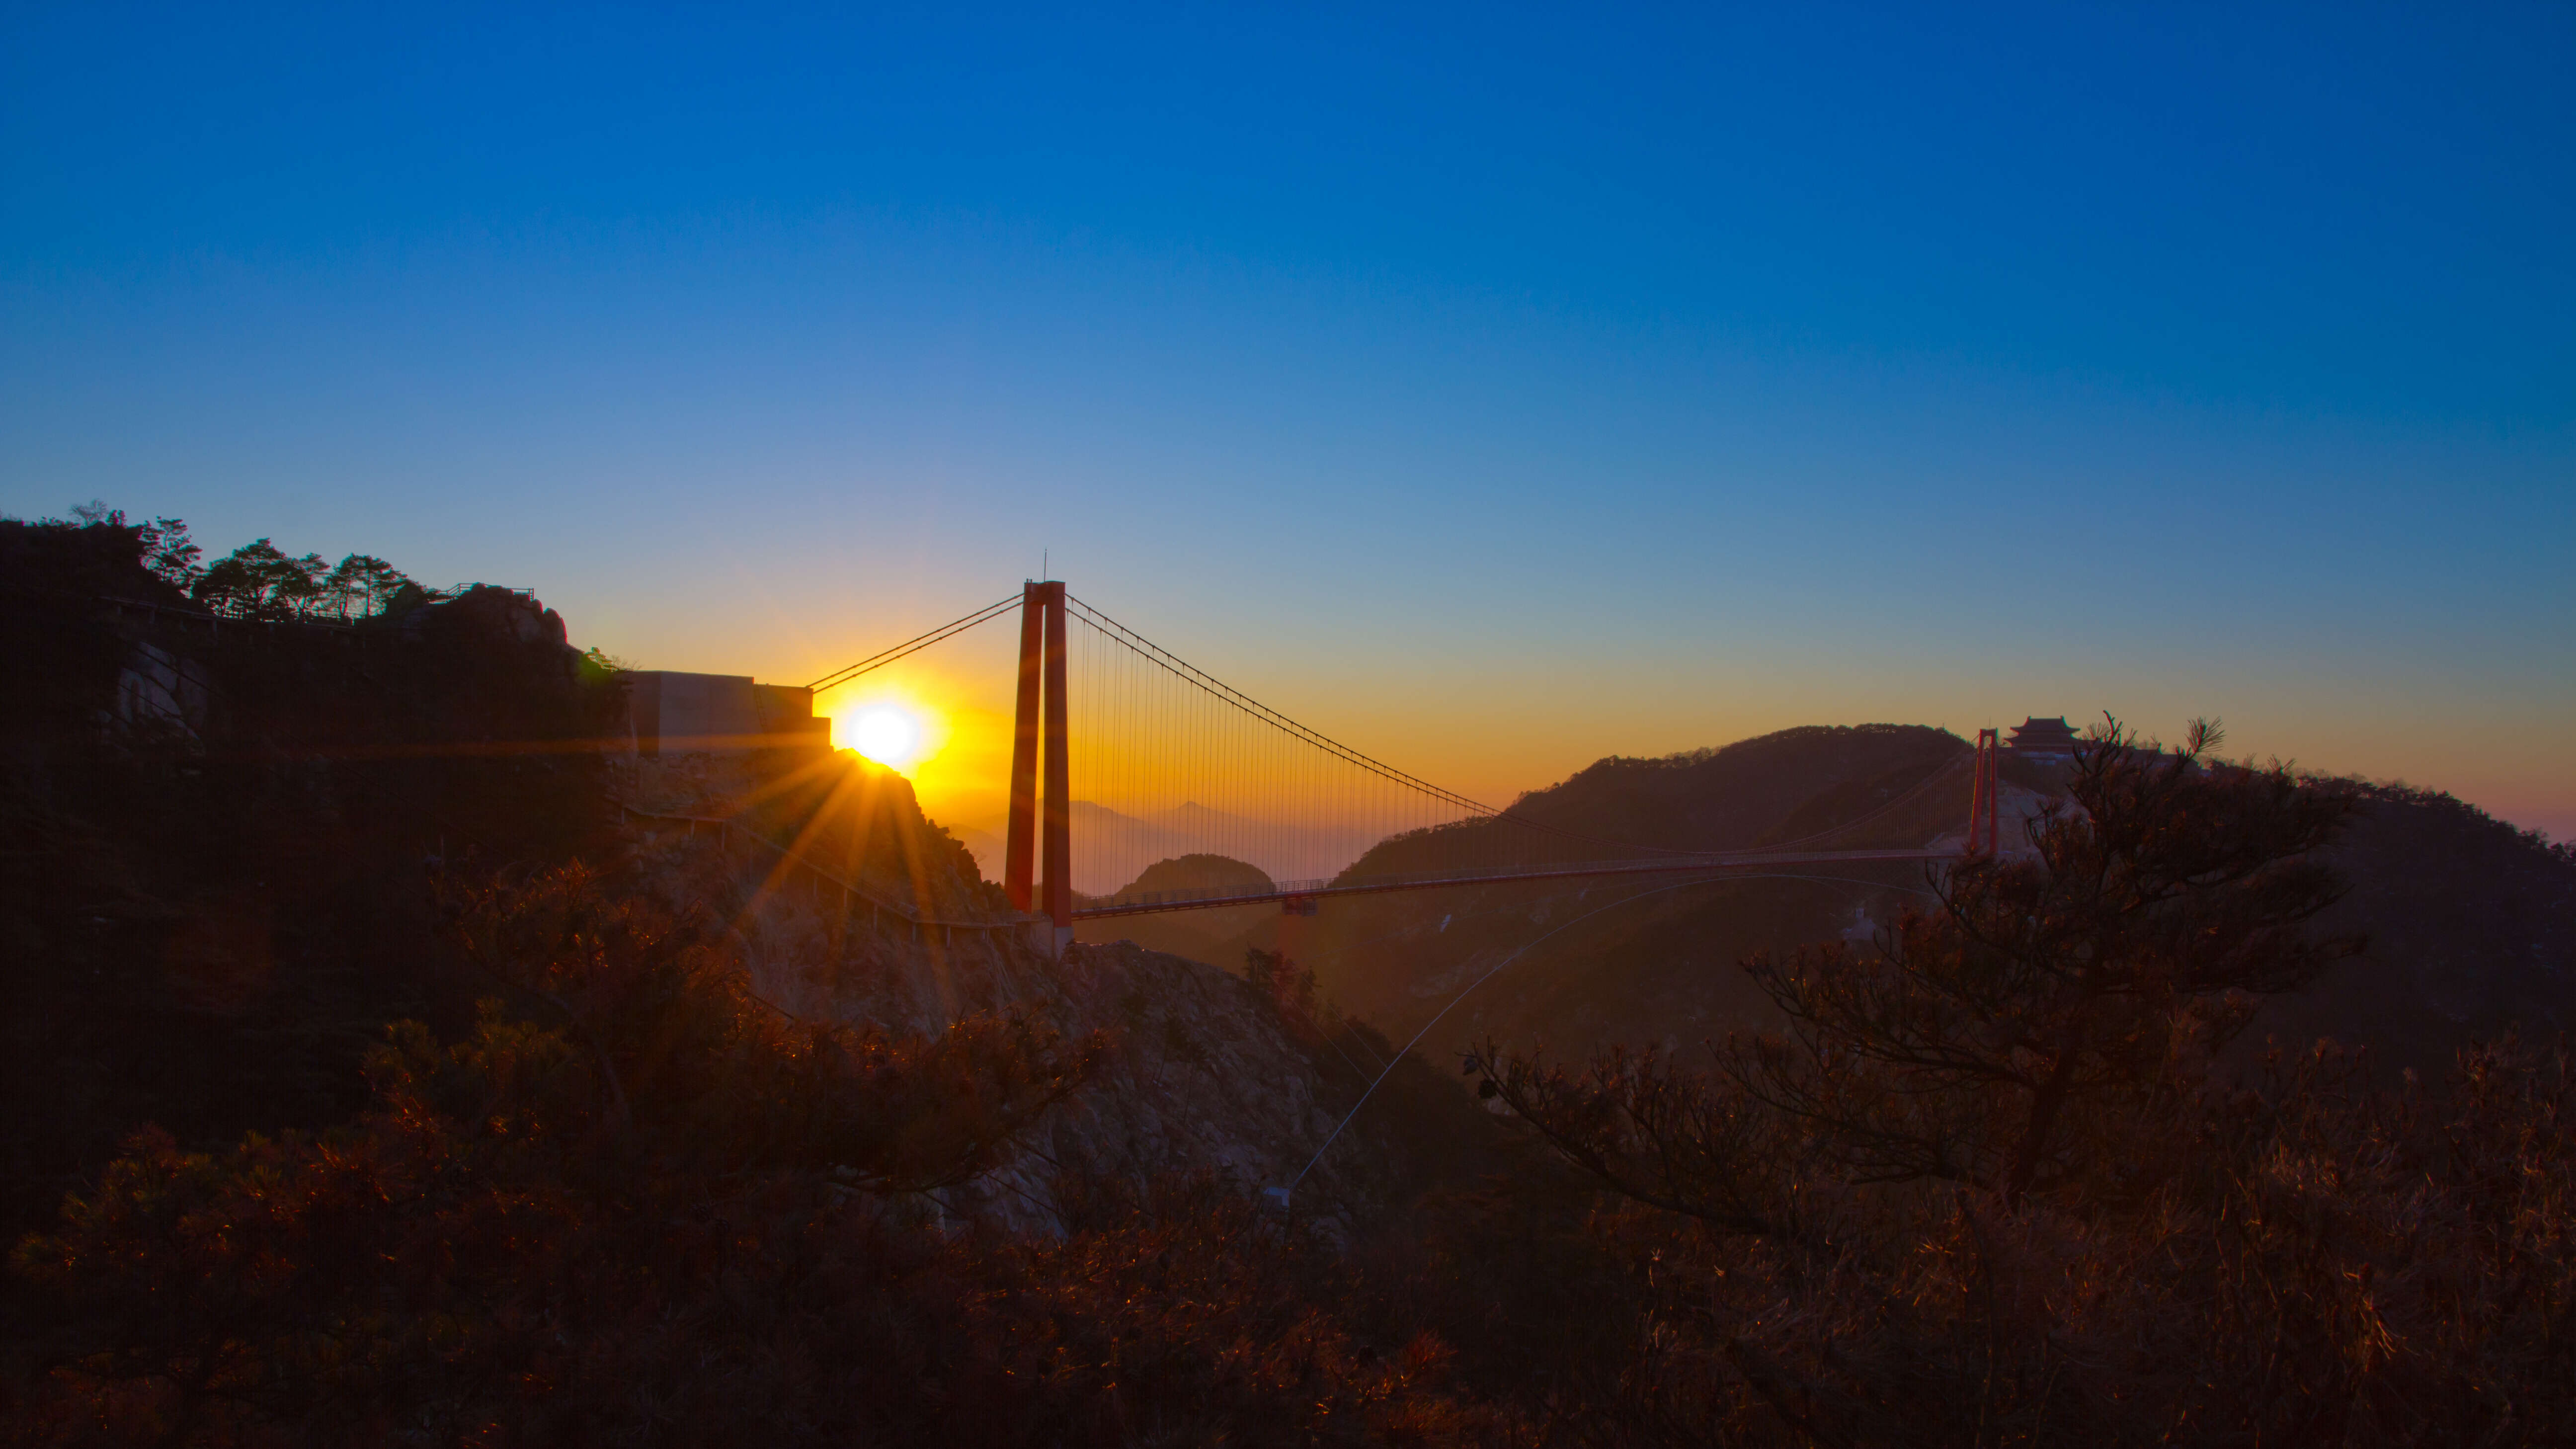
(1032, 840)
(1985, 835)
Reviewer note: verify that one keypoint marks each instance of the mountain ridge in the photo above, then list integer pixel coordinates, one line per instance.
(2473, 921)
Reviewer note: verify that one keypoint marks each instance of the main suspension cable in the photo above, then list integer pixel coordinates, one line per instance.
(1228, 694)
(881, 659)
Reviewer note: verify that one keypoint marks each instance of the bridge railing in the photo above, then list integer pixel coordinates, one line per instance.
(1142, 901)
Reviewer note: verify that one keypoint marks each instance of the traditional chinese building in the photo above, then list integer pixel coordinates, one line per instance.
(2048, 741)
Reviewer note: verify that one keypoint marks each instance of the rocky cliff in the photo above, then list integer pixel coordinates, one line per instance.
(1210, 1072)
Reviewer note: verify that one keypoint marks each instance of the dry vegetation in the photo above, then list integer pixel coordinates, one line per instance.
(1997, 1182)
(1989, 1187)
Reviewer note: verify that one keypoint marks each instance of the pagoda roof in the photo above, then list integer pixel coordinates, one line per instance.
(2035, 731)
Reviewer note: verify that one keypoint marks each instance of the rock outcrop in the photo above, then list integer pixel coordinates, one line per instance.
(1208, 1073)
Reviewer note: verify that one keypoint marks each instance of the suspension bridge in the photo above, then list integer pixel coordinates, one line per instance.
(1123, 755)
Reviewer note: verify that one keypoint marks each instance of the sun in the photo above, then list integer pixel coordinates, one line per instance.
(888, 734)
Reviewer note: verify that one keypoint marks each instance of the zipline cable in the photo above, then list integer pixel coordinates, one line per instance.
(1408, 1047)
(1489, 975)
(1918, 787)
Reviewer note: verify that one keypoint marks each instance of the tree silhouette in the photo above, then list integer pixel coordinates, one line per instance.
(2018, 1039)
(361, 586)
(260, 581)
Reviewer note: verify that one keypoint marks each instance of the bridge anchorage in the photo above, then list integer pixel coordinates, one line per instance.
(1188, 794)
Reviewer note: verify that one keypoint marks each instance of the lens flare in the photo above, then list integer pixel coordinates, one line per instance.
(885, 734)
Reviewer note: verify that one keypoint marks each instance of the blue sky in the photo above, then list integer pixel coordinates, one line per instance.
(1498, 388)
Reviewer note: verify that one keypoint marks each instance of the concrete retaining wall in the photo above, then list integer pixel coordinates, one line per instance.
(678, 713)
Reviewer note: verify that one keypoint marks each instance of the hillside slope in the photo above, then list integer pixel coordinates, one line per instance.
(2472, 923)
(227, 844)
(1210, 1073)
(1652, 956)
(222, 836)
(2472, 929)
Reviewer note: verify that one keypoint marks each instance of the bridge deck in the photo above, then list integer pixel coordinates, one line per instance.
(1283, 891)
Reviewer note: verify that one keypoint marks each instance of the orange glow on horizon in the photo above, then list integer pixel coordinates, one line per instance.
(958, 755)
(891, 725)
